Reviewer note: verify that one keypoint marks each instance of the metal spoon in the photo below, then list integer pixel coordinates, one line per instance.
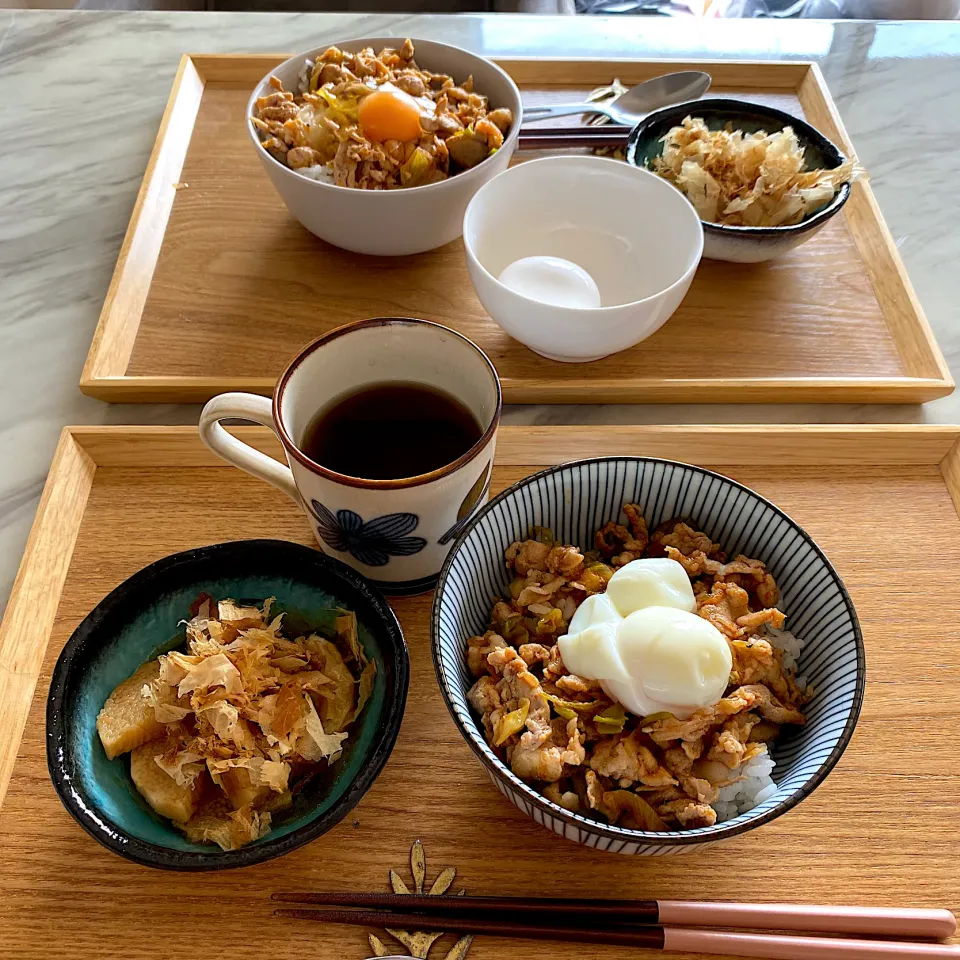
(631, 107)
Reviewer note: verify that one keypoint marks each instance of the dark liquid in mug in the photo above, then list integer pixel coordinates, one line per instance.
(387, 431)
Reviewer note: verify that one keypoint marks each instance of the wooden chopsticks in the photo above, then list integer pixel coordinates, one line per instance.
(600, 135)
(654, 924)
(937, 924)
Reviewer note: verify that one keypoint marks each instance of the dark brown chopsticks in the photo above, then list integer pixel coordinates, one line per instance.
(650, 935)
(654, 936)
(814, 918)
(546, 138)
(623, 911)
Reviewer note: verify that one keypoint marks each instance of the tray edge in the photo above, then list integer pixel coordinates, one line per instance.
(908, 325)
(180, 389)
(928, 376)
(35, 596)
(119, 321)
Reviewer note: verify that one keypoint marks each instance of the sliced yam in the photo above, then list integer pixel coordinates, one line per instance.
(278, 801)
(229, 829)
(336, 703)
(158, 788)
(336, 708)
(210, 824)
(238, 786)
(312, 680)
(127, 718)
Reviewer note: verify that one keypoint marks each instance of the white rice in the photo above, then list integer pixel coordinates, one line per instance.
(317, 172)
(758, 784)
(744, 795)
(788, 643)
(303, 77)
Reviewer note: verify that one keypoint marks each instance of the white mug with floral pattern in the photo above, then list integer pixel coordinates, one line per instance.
(395, 532)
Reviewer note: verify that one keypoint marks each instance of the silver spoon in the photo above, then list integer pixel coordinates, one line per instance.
(631, 107)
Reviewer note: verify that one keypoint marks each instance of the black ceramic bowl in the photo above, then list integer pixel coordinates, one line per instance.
(744, 244)
(139, 620)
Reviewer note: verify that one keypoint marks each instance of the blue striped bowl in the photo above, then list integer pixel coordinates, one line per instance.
(576, 499)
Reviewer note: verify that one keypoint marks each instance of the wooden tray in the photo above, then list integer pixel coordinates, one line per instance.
(217, 286)
(877, 498)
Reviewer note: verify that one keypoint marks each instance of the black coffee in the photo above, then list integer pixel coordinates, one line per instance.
(386, 431)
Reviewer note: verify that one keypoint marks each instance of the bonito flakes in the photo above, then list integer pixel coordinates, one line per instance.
(223, 733)
(747, 179)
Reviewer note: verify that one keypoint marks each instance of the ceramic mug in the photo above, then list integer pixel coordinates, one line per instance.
(395, 532)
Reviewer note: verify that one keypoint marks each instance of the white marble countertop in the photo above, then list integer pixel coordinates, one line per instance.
(83, 93)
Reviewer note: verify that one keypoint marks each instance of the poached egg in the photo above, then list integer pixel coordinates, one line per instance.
(552, 280)
(645, 644)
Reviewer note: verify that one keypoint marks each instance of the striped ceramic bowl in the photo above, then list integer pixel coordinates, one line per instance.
(574, 500)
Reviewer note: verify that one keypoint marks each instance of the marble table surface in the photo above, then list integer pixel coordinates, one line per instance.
(83, 93)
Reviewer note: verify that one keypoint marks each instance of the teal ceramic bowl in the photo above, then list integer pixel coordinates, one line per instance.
(744, 244)
(141, 619)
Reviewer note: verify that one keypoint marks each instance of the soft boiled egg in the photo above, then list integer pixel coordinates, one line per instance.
(552, 280)
(390, 114)
(594, 625)
(645, 644)
(651, 582)
(676, 661)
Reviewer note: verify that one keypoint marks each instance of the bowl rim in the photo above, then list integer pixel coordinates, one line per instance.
(693, 837)
(85, 810)
(579, 160)
(509, 142)
(735, 105)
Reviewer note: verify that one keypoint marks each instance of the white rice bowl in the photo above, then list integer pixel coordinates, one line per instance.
(576, 499)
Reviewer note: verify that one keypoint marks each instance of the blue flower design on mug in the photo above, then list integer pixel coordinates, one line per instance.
(372, 542)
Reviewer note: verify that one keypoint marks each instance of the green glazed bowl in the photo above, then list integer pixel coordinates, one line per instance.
(733, 243)
(141, 619)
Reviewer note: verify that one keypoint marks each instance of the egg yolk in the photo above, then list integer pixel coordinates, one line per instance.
(390, 115)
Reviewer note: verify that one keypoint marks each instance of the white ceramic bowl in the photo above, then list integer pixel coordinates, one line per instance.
(632, 231)
(392, 222)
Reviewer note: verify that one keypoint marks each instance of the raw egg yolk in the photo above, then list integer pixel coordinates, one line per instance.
(390, 115)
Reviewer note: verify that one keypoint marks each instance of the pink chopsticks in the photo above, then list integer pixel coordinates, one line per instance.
(656, 924)
(811, 918)
(779, 947)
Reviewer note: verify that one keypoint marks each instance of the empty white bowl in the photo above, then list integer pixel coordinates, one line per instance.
(392, 222)
(633, 232)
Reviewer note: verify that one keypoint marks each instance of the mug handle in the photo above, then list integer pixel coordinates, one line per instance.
(245, 406)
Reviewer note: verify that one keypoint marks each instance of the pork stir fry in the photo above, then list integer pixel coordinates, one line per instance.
(564, 735)
(378, 121)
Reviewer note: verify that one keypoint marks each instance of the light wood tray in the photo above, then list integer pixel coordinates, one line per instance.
(877, 498)
(217, 286)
